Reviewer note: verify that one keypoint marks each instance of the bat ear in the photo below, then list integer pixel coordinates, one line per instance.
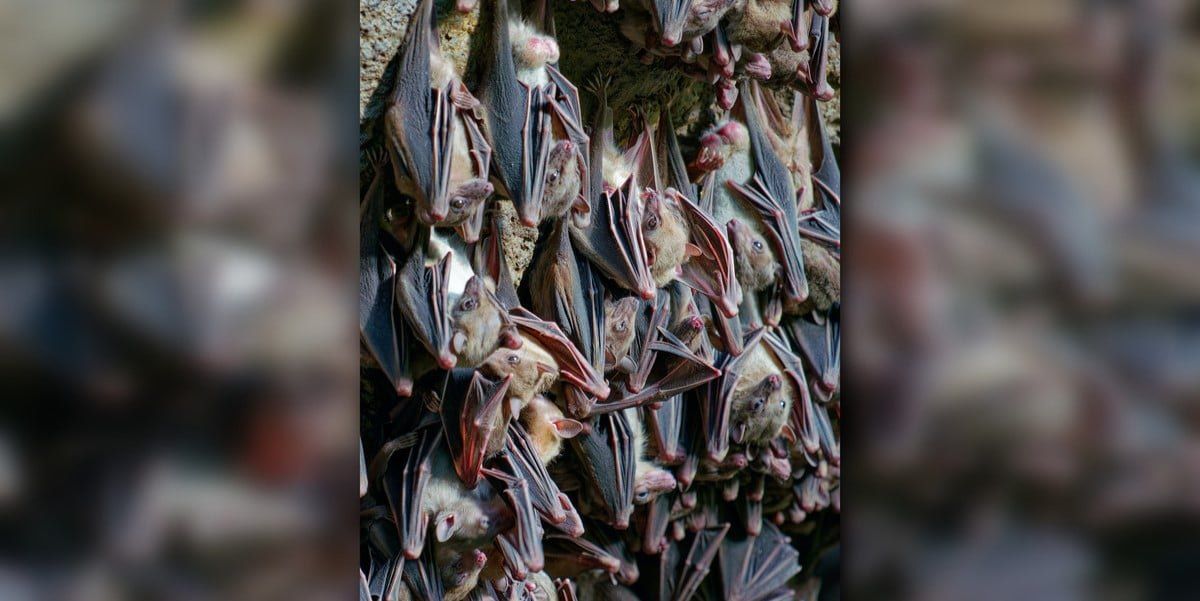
(568, 428)
(693, 250)
(788, 434)
(447, 525)
(544, 368)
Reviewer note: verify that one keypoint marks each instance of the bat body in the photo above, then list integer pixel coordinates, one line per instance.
(666, 235)
(440, 156)
(760, 405)
(460, 516)
(531, 368)
(459, 570)
(823, 269)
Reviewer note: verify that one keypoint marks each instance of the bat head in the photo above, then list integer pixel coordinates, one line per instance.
(531, 49)
(459, 570)
(652, 483)
(465, 6)
(754, 260)
(465, 200)
(620, 323)
(665, 233)
(563, 181)
(533, 370)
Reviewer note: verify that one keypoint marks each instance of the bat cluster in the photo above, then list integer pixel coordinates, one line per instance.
(659, 391)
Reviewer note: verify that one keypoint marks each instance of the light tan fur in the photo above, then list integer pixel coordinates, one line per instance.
(668, 241)
(764, 424)
(538, 418)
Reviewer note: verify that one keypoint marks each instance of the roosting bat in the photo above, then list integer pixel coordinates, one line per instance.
(710, 268)
(769, 191)
(528, 108)
(480, 324)
(680, 574)
(521, 461)
(575, 368)
(382, 330)
(521, 546)
(606, 456)
(612, 239)
(421, 295)
(819, 340)
(440, 156)
(824, 223)
(474, 419)
(819, 59)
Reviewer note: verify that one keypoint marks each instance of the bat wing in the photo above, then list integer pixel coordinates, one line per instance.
(421, 294)
(517, 123)
(711, 272)
(606, 457)
(565, 590)
(657, 518)
(771, 194)
(488, 259)
(522, 462)
(665, 426)
(612, 239)
(568, 556)
(472, 416)
(564, 290)
(819, 340)
(521, 546)
(698, 561)
(404, 479)
(564, 102)
(749, 505)
(670, 157)
(824, 224)
(574, 367)
(381, 334)
(481, 158)
(757, 567)
(818, 62)
(421, 576)
(676, 369)
(669, 17)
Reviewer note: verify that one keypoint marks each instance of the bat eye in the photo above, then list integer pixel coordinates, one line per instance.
(553, 176)
(621, 327)
(652, 222)
(782, 404)
(458, 202)
(514, 359)
(468, 304)
(758, 404)
(758, 245)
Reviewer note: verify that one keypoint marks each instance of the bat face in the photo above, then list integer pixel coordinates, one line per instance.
(756, 265)
(465, 201)
(459, 570)
(532, 370)
(563, 180)
(759, 411)
(620, 321)
(480, 324)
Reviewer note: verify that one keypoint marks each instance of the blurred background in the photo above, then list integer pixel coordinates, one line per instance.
(1023, 273)
(177, 300)
(177, 332)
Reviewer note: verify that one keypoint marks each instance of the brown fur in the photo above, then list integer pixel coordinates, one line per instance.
(762, 422)
(666, 236)
(478, 317)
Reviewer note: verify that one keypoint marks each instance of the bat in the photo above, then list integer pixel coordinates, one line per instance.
(487, 259)
(480, 324)
(757, 566)
(665, 425)
(563, 289)
(770, 193)
(522, 462)
(620, 320)
(575, 369)
(458, 570)
(654, 520)
(440, 156)
(474, 420)
(761, 24)
(612, 239)
(749, 505)
(404, 469)
(795, 31)
(382, 331)
(521, 546)
(422, 578)
(824, 223)
(606, 456)
(819, 340)
(421, 296)
(818, 64)
(650, 480)
(792, 141)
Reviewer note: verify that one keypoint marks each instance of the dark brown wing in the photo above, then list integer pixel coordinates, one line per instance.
(665, 426)
(404, 478)
(481, 159)
(472, 410)
(712, 271)
(574, 368)
(819, 340)
(516, 122)
(421, 295)
(605, 454)
(698, 561)
(757, 567)
(410, 119)
(381, 333)
(421, 576)
(521, 546)
(569, 556)
(521, 461)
